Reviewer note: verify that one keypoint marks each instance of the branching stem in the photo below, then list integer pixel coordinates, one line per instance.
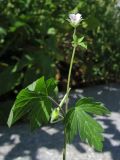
(52, 100)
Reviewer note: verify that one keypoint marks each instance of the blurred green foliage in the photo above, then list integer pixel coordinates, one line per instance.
(34, 35)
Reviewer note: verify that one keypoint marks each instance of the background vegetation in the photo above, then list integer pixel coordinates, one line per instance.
(35, 40)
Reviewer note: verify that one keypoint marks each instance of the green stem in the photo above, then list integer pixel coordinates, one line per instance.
(67, 91)
(52, 100)
(64, 98)
(65, 144)
(70, 70)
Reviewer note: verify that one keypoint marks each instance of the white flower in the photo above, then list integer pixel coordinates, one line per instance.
(75, 19)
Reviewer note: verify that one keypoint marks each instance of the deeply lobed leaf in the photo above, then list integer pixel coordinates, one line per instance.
(33, 101)
(78, 120)
(90, 106)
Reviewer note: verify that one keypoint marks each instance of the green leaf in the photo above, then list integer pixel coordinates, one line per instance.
(2, 31)
(75, 38)
(88, 105)
(80, 39)
(92, 22)
(51, 31)
(82, 44)
(40, 113)
(17, 25)
(79, 121)
(52, 88)
(38, 86)
(78, 42)
(33, 101)
(21, 105)
(10, 79)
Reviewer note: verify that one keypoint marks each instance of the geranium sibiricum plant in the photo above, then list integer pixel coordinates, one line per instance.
(38, 101)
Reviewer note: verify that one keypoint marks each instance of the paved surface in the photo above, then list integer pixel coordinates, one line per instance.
(18, 143)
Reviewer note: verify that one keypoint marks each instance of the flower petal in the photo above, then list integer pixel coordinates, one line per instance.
(78, 17)
(72, 17)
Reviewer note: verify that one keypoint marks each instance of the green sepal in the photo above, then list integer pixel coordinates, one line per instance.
(55, 114)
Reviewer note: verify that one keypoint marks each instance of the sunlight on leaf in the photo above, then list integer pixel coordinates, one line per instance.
(33, 101)
(78, 121)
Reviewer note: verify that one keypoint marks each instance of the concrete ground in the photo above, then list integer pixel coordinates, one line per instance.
(17, 143)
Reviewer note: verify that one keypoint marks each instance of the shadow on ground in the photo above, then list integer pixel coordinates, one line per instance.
(18, 142)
